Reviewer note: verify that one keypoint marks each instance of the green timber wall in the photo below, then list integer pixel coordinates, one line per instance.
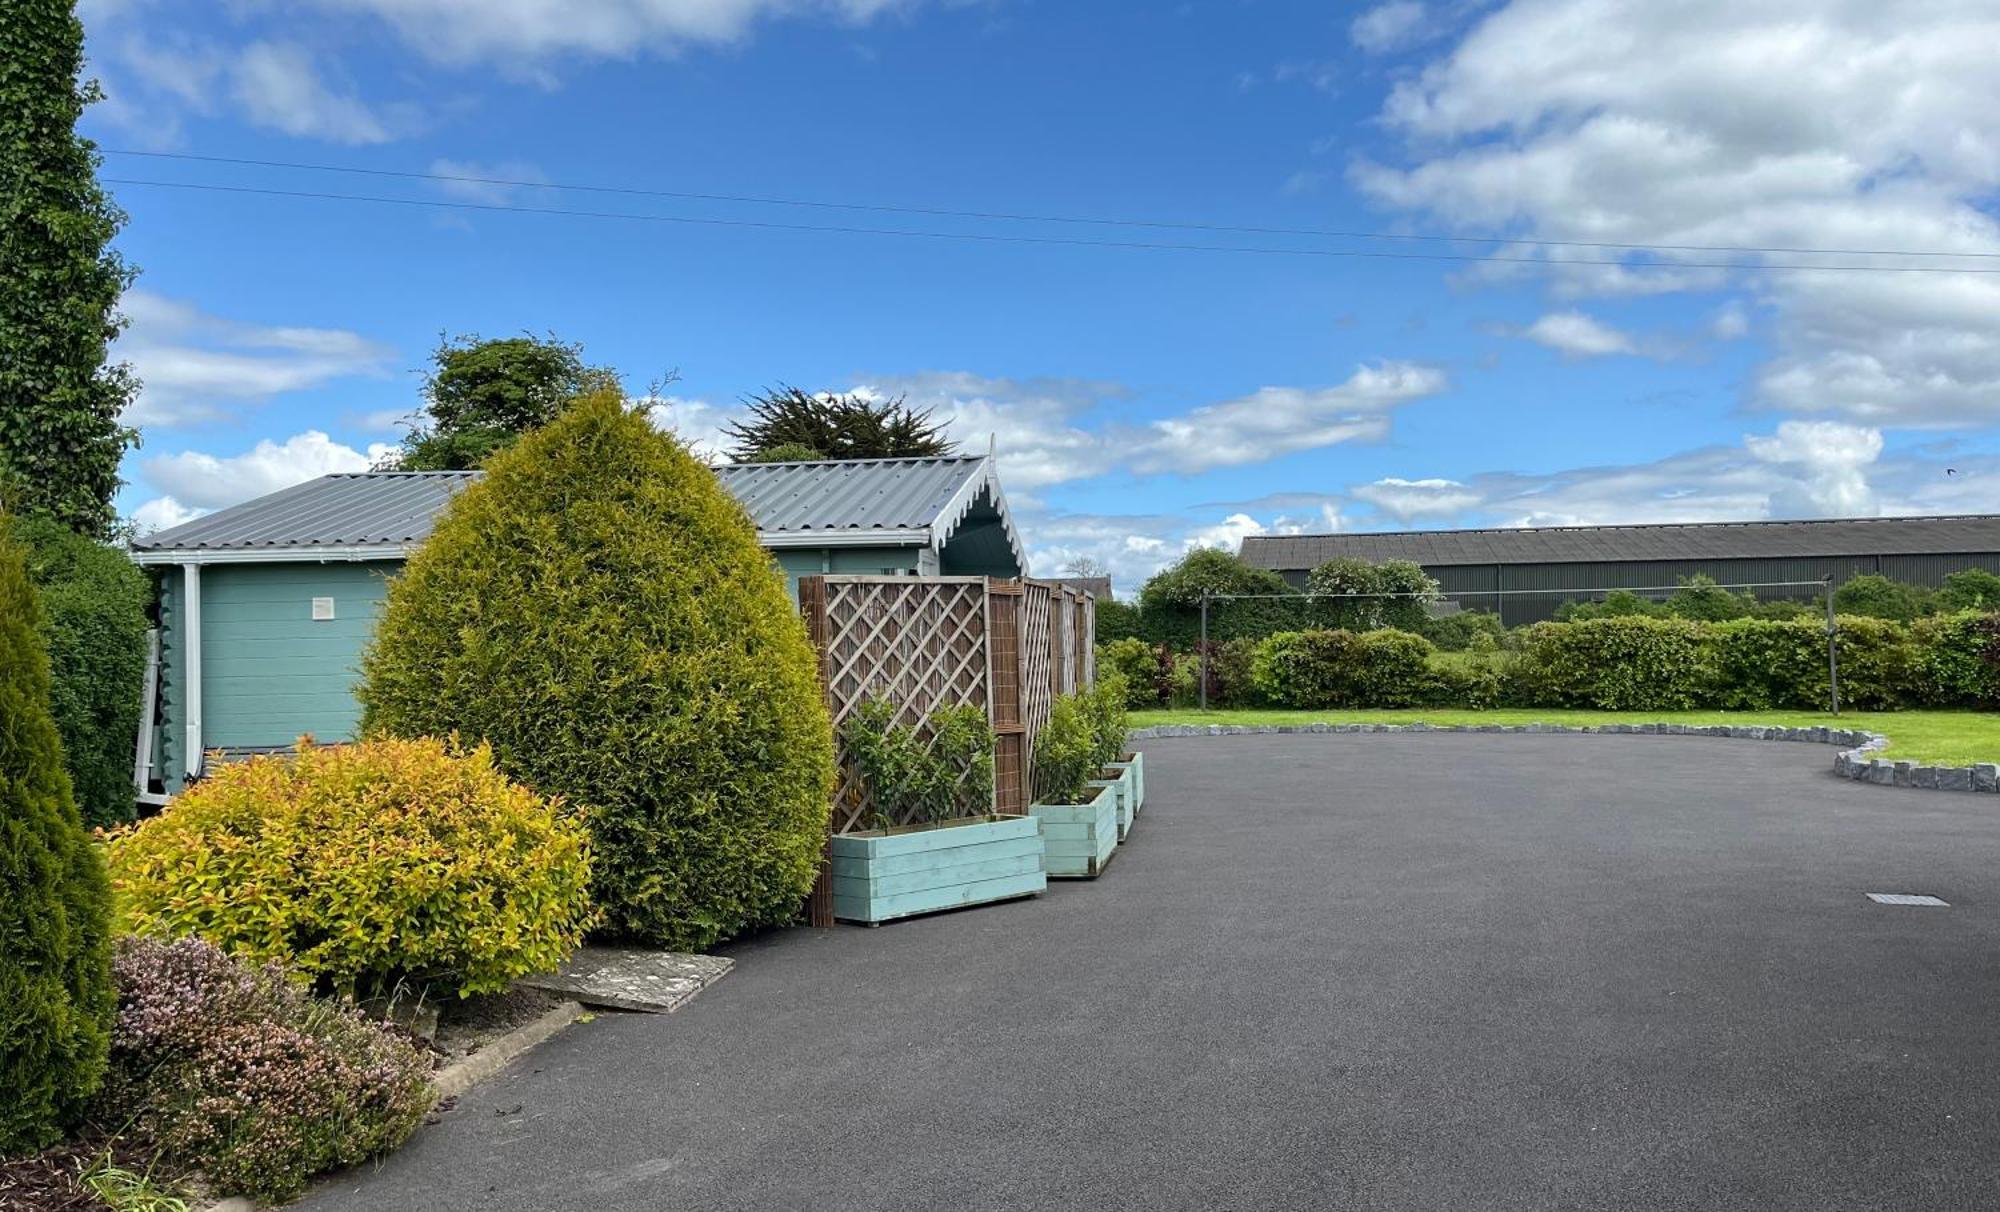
(271, 672)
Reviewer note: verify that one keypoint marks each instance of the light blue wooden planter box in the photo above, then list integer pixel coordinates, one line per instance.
(1123, 787)
(1136, 764)
(1080, 837)
(879, 876)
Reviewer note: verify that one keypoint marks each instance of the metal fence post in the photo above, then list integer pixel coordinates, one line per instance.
(1203, 675)
(1832, 650)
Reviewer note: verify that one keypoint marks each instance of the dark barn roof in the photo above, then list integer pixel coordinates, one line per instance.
(1614, 544)
(1096, 587)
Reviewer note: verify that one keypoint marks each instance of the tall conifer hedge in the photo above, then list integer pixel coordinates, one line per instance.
(598, 609)
(56, 998)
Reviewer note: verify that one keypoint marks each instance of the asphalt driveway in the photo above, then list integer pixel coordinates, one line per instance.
(1431, 971)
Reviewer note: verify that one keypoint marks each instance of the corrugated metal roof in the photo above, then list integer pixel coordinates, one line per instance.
(1611, 544)
(355, 509)
(859, 494)
(375, 508)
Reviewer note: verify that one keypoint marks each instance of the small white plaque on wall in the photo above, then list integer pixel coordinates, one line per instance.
(322, 609)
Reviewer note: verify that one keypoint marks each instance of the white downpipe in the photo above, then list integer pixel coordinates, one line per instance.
(191, 607)
(142, 754)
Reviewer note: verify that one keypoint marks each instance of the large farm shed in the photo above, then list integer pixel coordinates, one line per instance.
(1561, 563)
(272, 601)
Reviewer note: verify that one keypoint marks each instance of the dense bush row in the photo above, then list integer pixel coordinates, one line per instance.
(93, 624)
(1616, 663)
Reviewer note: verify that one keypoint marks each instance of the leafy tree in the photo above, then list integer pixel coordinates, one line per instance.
(1618, 604)
(61, 438)
(1699, 597)
(1968, 589)
(1874, 596)
(598, 610)
(56, 998)
(787, 452)
(1394, 593)
(835, 427)
(480, 395)
(1170, 600)
(93, 600)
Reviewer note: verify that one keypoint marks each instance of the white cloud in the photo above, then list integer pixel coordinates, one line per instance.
(1830, 461)
(1408, 499)
(279, 85)
(1389, 27)
(1786, 123)
(1228, 534)
(200, 481)
(697, 423)
(1576, 335)
(1730, 323)
(196, 366)
(1274, 421)
(451, 31)
(160, 513)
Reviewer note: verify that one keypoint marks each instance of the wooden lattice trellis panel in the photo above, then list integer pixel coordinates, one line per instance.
(917, 643)
(1008, 647)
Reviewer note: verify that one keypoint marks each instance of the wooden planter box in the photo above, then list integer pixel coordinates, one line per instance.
(1135, 762)
(881, 875)
(1124, 787)
(1080, 837)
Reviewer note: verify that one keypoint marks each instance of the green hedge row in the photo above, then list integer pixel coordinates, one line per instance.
(1613, 664)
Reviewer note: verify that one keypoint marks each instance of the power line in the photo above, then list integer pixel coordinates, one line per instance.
(1029, 217)
(1000, 238)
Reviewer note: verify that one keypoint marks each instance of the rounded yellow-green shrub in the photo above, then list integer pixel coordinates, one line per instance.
(365, 866)
(597, 608)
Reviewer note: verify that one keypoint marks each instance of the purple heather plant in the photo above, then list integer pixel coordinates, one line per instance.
(233, 1069)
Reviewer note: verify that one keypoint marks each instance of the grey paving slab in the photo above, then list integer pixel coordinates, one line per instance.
(1427, 972)
(633, 978)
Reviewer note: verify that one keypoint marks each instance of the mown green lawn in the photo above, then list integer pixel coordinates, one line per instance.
(1944, 738)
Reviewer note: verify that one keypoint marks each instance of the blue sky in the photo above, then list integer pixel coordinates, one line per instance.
(1141, 399)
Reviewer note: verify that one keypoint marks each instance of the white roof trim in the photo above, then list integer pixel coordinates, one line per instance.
(850, 536)
(322, 553)
(947, 521)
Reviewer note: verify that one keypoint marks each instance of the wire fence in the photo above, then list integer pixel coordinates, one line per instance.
(1824, 587)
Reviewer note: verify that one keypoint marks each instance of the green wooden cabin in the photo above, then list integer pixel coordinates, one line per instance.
(272, 601)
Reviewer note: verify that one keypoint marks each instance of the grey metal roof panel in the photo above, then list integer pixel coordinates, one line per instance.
(863, 494)
(1611, 544)
(371, 508)
(341, 510)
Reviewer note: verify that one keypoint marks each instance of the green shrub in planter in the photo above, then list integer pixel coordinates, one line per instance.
(598, 610)
(1614, 664)
(1105, 703)
(93, 600)
(1066, 755)
(56, 998)
(365, 867)
(231, 1068)
(943, 772)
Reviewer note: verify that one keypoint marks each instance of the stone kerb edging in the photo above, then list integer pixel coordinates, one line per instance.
(1852, 762)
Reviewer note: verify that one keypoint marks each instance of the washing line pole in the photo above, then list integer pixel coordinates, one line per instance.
(1832, 649)
(1203, 675)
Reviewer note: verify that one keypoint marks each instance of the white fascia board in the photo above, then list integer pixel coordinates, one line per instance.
(961, 503)
(274, 555)
(905, 537)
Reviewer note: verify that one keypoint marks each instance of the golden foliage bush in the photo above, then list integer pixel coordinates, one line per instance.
(365, 865)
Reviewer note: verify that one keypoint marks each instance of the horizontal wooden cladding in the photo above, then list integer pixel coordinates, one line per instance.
(945, 837)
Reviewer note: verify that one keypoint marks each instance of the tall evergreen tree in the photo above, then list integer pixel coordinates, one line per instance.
(61, 436)
(484, 393)
(56, 998)
(786, 424)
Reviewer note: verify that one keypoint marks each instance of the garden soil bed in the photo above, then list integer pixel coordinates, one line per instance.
(51, 1181)
(467, 1025)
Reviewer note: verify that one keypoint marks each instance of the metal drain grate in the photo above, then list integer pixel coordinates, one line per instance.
(1907, 898)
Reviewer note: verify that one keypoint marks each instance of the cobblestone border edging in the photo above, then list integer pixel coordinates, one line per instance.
(1852, 762)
